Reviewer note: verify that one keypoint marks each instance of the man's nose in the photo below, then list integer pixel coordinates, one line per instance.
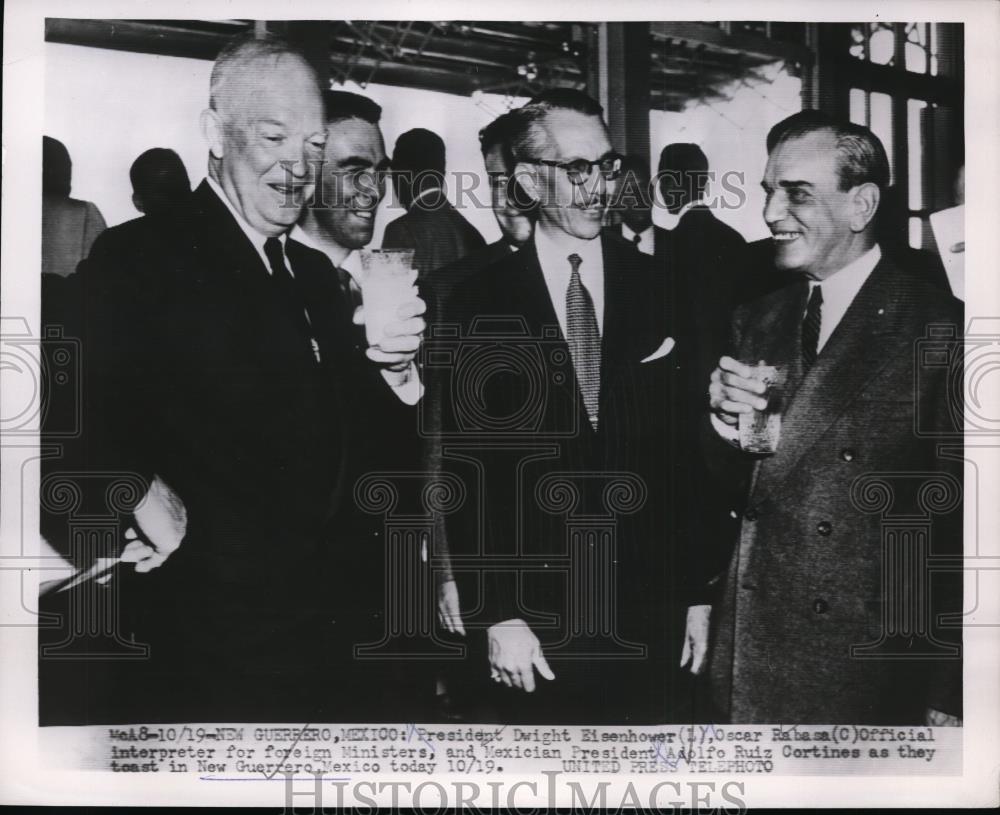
(775, 208)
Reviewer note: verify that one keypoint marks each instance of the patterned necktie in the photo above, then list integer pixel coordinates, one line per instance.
(583, 339)
(810, 327)
(288, 291)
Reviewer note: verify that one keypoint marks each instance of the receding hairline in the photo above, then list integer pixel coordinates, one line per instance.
(236, 64)
(539, 123)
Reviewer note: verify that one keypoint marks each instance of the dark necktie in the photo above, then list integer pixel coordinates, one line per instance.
(810, 327)
(636, 239)
(288, 291)
(583, 339)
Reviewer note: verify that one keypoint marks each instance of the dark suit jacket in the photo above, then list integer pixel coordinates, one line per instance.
(706, 259)
(196, 373)
(445, 279)
(436, 230)
(540, 481)
(818, 564)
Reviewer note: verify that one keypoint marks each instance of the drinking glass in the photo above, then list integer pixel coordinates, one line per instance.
(388, 280)
(761, 429)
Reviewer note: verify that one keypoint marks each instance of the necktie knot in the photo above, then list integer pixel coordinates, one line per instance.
(636, 238)
(574, 263)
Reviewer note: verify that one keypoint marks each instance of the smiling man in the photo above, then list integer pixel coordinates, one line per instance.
(220, 360)
(815, 623)
(604, 647)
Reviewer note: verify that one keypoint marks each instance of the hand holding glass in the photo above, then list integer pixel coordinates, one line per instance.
(760, 430)
(388, 280)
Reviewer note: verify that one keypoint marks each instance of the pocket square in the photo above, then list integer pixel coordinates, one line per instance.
(665, 348)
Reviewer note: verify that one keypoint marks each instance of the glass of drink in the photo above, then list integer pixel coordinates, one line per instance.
(761, 429)
(388, 280)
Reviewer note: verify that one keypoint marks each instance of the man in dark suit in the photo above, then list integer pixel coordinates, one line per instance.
(219, 361)
(559, 415)
(704, 256)
(431, 225)
(510, 208)
(818, 621)
(632, 209)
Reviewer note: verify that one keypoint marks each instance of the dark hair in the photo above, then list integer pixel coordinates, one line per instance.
(159, 179)
(567, 99)
(419, 150)
(861, 156)
(57, 167)
(683, 157)
(341, 105)
(500, 133)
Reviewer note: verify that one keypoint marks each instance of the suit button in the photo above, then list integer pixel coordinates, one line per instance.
(847, 454)
(824, 528)
(750, 514)
(820, 606)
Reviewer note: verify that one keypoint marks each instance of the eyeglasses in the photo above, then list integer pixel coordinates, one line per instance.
(580, 170)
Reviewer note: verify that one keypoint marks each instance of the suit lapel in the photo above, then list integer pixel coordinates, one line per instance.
(622, 315)
(855, 354)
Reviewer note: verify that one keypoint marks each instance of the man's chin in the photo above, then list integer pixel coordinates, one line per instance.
(786, 260)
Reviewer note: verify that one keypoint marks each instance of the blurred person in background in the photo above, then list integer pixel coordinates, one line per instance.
(511, 207)
(69, 226)
(159, 182)
(431, 226)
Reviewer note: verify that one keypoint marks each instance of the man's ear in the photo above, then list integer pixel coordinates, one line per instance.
(525, 175)
(211, 131)
(864, 205)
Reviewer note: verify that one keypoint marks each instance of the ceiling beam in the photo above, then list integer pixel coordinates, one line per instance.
(740, 43)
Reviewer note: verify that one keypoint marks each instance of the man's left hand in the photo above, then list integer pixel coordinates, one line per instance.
(402, 336)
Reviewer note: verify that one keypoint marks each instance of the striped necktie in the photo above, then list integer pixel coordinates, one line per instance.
(583, 339)
(810, 327)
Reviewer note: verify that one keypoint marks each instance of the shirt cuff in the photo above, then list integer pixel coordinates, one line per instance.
(730, 433)
(405, 384)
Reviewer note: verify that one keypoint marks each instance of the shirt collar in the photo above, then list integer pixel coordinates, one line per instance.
(669, 220)
(350, 264)
(847, 282)
(553, 252)
(553, 256)
(628, 233)
(256, 238)
(840, 289)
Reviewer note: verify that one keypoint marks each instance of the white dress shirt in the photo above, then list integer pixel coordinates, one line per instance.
(839, 291)
(646, 243)
(405, 384)
(553, 257)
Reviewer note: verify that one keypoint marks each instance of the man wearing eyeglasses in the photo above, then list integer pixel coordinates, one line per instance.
(576, 477)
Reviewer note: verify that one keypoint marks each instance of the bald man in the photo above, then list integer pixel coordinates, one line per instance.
(221, 363)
